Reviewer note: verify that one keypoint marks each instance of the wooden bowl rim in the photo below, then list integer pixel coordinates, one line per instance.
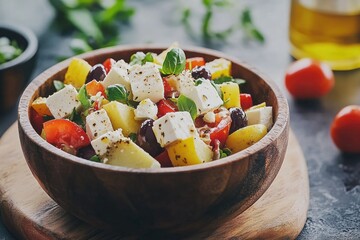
(23, 115)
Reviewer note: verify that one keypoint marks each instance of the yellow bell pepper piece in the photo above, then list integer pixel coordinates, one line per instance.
(219, 67)
(39, 105)
(77, 72)
(231, 94)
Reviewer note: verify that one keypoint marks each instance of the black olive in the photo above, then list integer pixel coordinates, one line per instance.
(146, 139)
(97, 72)
(200, 72)
(239, 119)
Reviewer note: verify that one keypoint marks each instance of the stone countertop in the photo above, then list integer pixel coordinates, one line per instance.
(334, 210)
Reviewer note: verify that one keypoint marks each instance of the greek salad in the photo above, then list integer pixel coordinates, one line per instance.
(155, 111)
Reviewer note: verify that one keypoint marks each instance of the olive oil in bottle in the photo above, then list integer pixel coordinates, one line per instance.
(327, 30)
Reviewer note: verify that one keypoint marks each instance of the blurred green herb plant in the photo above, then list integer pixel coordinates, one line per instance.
(245, 23)
(94, 22)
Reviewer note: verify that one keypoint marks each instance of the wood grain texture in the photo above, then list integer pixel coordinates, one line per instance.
(178, 200)
(29, 213)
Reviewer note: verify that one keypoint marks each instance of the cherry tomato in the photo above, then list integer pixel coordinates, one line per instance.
(164, 160)
(221, 130)
(94, 87)
(165, 106)
(36, 120)
(345, 129)
(194, 62)
(245, 101)
(63, 133)
(168, 90)
(108, 64)
(218, 130)
(307, 79)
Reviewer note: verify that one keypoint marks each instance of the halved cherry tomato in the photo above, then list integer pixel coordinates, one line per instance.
(221, 130)
(63, 133)
(36, 120)
(345, 129)
(194, 62)
(94, 87)
(164, 160)
(307, 78)
(165, 106)
(108, 64)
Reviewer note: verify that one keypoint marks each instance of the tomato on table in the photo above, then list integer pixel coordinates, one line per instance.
(308, 78)
(165, 106)
(65, 134)
(194, 62)
(245, 101)
(93, 87)
(345, 129)
(108, 63)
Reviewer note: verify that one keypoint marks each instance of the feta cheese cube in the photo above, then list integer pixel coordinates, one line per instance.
(260, 116)
(146, 109)
(205, 97)
(98, 123)
(117, 75)
(62, 103)
(123, 65)
(105, 141)
(174, 126)
(146, 82)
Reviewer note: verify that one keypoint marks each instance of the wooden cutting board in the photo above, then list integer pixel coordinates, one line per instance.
(29, 213)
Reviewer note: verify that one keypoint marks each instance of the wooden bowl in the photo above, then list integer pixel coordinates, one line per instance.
(15, 74)
(167, 200)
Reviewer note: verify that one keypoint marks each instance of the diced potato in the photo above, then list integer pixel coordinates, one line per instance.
(245, 137)
(39, 105)
(126, 153)
(122, 116)
(231, 94)
(219, 67)
(77, 72)
(189, 151)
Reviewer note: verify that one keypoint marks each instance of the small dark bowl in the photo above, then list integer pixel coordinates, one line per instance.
(172, 200)
(15, 73)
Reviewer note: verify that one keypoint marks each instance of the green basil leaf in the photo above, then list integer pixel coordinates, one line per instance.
(224, 79)
(199, 81)
(84, 98)
(186, 104)
(174, 62)
(225, 152)
(117, 92)
(58, 85)
(95, 158)
(141, 58)
(76, 118)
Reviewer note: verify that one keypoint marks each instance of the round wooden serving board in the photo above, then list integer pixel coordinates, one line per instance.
(29, 213)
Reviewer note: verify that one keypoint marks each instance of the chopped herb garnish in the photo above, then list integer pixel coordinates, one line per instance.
(174, 62)
(95, 158)
(224, 79)
(84, 98)
(133, 137)
(225, 152)
(76, 118)
(9, 50)
(186, 104)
